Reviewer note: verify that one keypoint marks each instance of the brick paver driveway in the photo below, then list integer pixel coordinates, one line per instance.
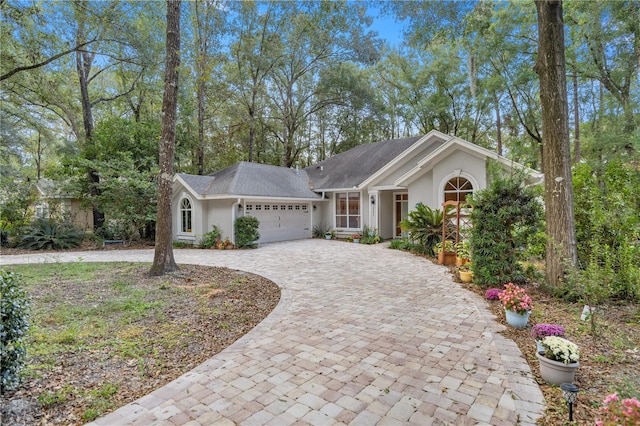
(363, 335)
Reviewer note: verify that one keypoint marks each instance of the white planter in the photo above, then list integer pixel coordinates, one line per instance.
(555, 372)
(517, 320)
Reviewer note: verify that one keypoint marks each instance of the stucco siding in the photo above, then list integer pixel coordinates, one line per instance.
(221, 214)
(458, 163)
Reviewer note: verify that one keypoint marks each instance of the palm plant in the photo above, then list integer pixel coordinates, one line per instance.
(424, 225)
(43, 234)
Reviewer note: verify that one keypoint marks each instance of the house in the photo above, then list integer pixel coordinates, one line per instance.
(373, 185)
(52, 202)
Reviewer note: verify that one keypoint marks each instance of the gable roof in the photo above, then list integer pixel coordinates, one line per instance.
(454, 143)
(350, 168)
(245, 179)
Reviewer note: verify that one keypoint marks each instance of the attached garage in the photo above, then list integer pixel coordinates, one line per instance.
(281, 221)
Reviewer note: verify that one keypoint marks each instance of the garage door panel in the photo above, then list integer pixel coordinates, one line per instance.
(281, 222)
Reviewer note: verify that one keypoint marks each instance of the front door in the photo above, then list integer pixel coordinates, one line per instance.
(401, 210)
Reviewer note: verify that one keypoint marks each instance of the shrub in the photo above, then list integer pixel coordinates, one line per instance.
(211, 238)
(14, 310)
(45, 234)
(504, 216)
(246, 231)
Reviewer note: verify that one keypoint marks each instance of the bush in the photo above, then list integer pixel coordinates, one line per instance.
(45, 234)
(504, 216)
(14, 310)
(246, 231)
(211, 238)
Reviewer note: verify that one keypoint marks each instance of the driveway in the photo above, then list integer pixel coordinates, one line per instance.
(363, 335)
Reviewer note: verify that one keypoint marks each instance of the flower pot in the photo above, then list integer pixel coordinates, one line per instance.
(517, 320)
(328, 237)
(446, 258)
(466, 276)
(461, 261)
(555, 372)
(356, 240)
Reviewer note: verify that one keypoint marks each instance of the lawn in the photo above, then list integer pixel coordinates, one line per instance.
(103, 335)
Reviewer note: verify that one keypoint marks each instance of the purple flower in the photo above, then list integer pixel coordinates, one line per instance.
(492, 293)
(540, 331)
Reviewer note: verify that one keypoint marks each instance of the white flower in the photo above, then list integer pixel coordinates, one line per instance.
(560, 349)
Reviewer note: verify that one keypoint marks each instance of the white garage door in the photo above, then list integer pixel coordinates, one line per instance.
(280, 222)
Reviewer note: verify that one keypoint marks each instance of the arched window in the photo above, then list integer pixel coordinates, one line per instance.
(457, 189)
(185, 215)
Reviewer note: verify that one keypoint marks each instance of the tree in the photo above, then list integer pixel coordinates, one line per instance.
(556, 154)
(163, 260)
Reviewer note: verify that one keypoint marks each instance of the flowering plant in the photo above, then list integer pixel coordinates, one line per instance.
(560, 349)
(492, 294)
(625, 412)
(540, 331)
(515, 299)
(355, 236)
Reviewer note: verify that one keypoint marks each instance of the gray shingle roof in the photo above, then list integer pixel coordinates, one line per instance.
(252, 179)
(352, 167)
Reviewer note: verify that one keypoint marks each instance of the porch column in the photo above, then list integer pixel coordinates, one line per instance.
(374, 209)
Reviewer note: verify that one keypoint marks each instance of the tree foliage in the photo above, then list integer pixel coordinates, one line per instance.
(504, 216)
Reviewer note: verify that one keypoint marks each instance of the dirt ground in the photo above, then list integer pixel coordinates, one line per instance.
(80, 377)
(609, 360)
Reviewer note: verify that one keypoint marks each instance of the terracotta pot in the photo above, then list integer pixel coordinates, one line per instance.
(446, 258)
(555, 372)
(461, 261)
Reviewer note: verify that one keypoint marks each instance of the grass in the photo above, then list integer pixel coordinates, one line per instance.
(105, 334)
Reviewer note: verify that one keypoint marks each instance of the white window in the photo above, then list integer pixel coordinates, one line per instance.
(348, 210)
(186, 213)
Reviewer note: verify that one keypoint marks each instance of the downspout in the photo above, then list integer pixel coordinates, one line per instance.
(233, 219)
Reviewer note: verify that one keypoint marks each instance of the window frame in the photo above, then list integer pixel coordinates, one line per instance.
(185, 213)
(349, 216)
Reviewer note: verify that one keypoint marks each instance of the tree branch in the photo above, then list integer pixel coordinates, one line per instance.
(43, 63)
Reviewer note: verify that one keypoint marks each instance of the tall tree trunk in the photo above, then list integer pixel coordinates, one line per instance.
(556, 159)
(576, 118)
(498, 124)
(163, 260)
(84, 62)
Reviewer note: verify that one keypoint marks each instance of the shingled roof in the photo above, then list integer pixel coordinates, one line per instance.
(252, 179)
(350, 168)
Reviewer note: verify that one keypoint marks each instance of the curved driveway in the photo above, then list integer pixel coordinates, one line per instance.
(362, 335)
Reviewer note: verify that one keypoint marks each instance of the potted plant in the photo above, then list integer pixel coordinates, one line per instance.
(328, 235)
(465, 273)
(462, 253)
(446, 253)
(348, 238)
(356, 237)
(540, 331)
(559, 361)
(517, 305)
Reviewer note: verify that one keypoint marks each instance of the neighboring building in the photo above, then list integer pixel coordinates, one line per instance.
(373, 185)
(54, 202)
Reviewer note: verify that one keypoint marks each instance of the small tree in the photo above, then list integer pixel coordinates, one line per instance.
(14, 312)
(503, 217)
